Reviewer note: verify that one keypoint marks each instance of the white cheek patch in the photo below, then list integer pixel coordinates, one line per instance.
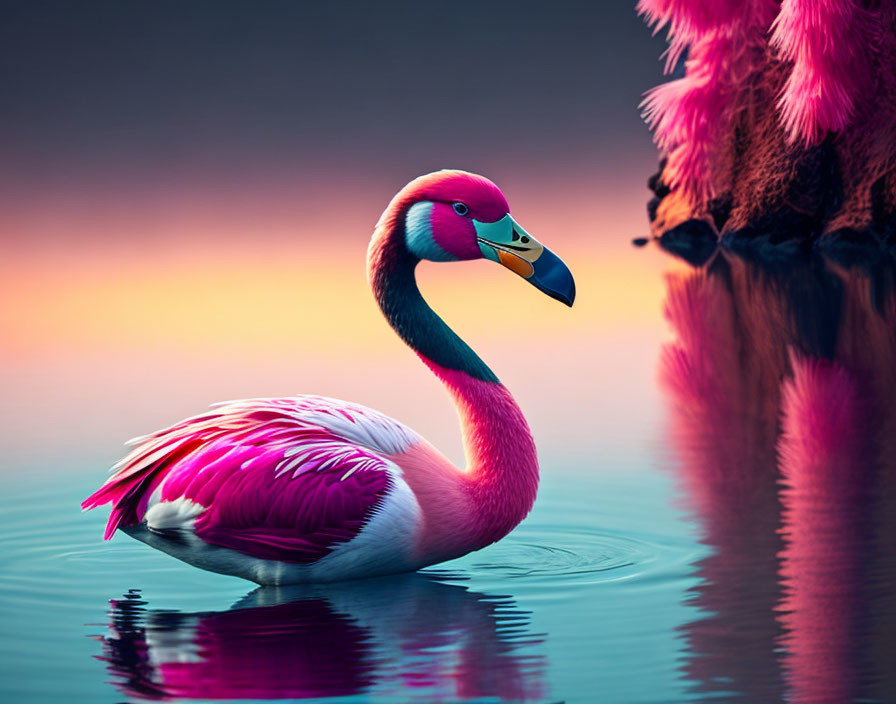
(418, 234)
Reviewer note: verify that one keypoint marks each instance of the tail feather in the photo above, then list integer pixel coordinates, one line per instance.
(128, 490)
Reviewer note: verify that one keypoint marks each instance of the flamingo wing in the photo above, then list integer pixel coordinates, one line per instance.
(283, 479)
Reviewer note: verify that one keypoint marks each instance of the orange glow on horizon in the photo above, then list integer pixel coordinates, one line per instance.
(317, 301)
(103, 337)
(194, 279)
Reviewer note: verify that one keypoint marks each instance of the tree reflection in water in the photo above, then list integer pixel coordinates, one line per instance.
(782, 382)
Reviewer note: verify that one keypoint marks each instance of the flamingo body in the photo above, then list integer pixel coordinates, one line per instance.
(311, 489)
(273, 490)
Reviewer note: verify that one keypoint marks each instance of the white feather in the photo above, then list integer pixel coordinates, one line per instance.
(178, 514)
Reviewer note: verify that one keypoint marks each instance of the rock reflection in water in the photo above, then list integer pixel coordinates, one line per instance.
(782, 383)
(406, 637)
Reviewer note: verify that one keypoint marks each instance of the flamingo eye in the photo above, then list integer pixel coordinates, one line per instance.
(460, 208)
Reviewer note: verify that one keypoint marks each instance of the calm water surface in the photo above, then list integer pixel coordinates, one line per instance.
(747, 556)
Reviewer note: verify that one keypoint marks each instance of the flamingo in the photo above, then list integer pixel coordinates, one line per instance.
(311, 489)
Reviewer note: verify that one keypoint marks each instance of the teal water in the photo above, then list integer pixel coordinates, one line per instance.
(587, 597)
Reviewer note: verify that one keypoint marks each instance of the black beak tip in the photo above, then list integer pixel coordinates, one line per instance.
(551, 276)
(567, 296)
(570, 298)
(567, 299)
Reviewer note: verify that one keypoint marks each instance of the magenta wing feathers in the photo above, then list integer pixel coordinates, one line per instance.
(284, 479)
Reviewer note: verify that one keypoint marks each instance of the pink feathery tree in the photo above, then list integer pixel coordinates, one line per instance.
(782, 125)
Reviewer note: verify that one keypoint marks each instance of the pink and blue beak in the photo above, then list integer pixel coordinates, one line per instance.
(509, 244)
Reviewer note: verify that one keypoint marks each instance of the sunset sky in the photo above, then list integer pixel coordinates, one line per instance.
(187, 191)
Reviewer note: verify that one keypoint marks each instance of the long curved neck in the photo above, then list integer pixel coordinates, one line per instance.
(502, 465)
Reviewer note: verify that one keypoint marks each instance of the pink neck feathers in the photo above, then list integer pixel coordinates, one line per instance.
(502, 463)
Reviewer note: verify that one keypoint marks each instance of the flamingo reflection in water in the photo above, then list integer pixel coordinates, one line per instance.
(401, 638)
(781, 381)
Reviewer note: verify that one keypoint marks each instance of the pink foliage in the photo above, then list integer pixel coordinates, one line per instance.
(687, 20)
(827, 42)
(687, 115)
(691, 115)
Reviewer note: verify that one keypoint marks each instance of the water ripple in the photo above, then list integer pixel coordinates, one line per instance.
(461, 631)
(568, 555)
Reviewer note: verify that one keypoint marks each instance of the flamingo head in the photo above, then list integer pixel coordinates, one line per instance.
(455, 215)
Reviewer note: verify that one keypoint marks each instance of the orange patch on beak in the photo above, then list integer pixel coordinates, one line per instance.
(515, 264)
